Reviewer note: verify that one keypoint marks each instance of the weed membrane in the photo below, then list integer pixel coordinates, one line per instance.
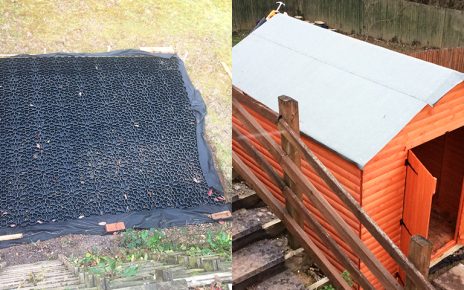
(90, 135)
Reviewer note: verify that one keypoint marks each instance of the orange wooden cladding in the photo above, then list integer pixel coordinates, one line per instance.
(379, 187)
(347, 173)
(387, 169)
(448, 57)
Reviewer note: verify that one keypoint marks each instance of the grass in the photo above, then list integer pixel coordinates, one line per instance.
(199, 31)
(136, 245)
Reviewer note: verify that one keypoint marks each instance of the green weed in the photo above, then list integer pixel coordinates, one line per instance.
(106, 265)
(346, 276)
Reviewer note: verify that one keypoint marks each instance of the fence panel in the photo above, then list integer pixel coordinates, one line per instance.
(400, 20)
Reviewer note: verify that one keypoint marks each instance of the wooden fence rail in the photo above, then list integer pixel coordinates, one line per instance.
(295, 201)
(292, 226)
(295, 209)
(356, 209)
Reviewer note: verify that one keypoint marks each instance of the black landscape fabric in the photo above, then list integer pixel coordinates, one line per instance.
(93, 138)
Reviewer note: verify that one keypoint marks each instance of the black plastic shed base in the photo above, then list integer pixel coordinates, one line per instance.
(92, 138)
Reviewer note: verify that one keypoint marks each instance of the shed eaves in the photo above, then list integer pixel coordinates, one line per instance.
(354, 97)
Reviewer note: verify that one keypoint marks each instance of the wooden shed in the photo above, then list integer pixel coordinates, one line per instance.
(388, 126)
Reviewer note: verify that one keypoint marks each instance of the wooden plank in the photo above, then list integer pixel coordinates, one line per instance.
(268, 230)
(420, 251)
(271, 116)
(253, 264)
(258, 107)
(257, 157)
(319, 283)
(227, 69)
(316, 198)
(11, 237)
(359, 212)
(206, 279)
(288, 111)
(308, 217)
(248, 201)
(328, 241)
(289, 222)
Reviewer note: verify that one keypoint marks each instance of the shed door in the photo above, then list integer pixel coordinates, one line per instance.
(420, 187)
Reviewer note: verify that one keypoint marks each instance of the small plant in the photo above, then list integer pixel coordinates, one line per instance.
(197, 251)
(145, 239)
(130, 271)
(106, 265)
(137, 245)
(346, 276)
(35, 278)
(220, 243)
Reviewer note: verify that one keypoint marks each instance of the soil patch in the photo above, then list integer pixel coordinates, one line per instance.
(78, 245)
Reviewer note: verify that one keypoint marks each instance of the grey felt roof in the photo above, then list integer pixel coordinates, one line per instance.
(354, 97)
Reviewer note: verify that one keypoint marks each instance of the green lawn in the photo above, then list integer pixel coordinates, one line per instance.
(199, 31)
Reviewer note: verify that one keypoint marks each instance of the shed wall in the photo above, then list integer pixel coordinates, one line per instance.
(347, 173)
(384, 176)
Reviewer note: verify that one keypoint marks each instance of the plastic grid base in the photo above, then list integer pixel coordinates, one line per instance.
(85, 136)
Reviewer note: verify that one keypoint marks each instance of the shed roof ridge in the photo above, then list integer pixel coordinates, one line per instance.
(341, 69)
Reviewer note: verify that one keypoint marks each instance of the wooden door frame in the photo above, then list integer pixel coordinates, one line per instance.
(458, 239)
(459, 231)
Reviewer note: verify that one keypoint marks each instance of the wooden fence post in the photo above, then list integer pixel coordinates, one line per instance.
(420, 252)
(288, 111)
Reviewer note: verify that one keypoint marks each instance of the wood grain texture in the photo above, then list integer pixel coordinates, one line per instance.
(384, 176)
(397, 20)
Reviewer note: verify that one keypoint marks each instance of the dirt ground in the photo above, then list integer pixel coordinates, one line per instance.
(78, 245)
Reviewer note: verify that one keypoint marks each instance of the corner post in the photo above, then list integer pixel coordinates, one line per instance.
(288, 111)
(420, 252)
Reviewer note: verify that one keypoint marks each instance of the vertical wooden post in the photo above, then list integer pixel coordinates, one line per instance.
(288, 111)
(420, 252)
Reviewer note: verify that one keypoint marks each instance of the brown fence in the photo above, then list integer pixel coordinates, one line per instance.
(399, 20)
(295, 215)
(452, 58)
